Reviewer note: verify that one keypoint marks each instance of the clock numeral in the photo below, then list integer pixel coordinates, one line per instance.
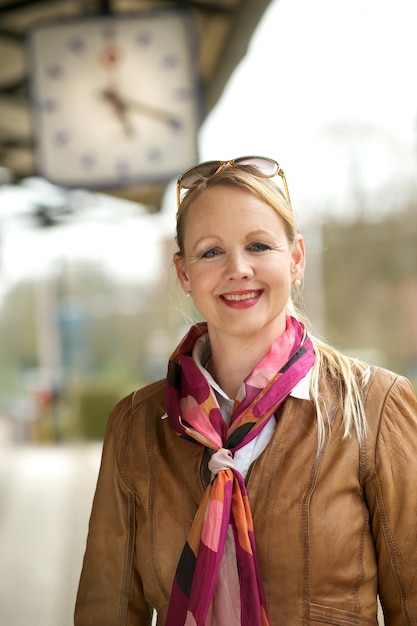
(143, 39)
(122, 168)
(50, 105)
(170, 61)
(175, 125)
(54, 71)
(77, 45)
(183, 93)
(109, 31)
(88, 161)
(61, 138)
(154, 155)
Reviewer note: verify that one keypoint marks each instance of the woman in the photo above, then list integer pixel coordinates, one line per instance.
(269, 479)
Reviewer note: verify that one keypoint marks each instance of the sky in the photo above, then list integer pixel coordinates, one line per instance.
(314, 62)
(328, 88)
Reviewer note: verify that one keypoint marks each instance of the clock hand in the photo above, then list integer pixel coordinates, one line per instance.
(124, 104)
(119, 108)
(152, 111)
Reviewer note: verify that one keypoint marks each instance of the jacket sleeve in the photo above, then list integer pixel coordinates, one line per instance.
(391, 493)
(110, 592)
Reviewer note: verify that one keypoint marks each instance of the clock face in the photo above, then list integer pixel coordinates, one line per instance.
(115, 98)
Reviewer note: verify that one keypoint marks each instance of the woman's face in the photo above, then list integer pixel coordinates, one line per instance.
(238, 263)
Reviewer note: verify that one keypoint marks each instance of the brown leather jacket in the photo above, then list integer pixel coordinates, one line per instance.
(332, 530)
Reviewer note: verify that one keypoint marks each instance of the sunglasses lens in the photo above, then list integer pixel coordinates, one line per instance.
(199, 172)
(262, 167)
(258, 165)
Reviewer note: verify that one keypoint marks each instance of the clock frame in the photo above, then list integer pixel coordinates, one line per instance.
(116, 99)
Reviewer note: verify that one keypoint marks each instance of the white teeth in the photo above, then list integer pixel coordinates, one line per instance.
(243, 296)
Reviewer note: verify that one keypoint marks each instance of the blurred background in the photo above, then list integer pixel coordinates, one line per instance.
(102, 105)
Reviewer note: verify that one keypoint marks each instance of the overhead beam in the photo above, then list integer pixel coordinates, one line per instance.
(245, 21)
(9, 7)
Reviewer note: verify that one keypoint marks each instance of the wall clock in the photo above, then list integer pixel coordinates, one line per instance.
(115, 99)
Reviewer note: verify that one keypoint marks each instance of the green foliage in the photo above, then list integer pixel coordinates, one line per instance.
(18, 330)
(91, 405)
(370, 284)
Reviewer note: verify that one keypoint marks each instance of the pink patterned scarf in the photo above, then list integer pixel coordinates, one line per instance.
(194, 414)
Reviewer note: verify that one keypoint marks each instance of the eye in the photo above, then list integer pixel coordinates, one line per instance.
(259, 247)
(209, 254)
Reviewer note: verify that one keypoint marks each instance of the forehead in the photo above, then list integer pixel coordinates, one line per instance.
(223, 202)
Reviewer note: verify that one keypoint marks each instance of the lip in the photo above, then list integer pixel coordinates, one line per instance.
(241, 299)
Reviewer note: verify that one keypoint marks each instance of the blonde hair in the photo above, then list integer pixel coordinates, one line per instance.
(347, 376)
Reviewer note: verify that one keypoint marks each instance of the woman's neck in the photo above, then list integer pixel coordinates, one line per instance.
(229, 367)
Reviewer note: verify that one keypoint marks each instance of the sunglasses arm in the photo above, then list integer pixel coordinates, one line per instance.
(178, 195)
(284, 180)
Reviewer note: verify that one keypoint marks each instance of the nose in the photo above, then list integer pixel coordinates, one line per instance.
(238, 267)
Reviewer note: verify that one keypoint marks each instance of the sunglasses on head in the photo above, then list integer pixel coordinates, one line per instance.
(262, 167)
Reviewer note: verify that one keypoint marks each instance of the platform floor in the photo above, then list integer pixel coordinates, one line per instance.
(45, 501)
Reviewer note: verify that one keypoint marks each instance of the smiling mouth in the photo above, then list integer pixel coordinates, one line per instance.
(240, 297)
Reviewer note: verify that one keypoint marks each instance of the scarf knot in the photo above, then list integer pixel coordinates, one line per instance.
(222, 459)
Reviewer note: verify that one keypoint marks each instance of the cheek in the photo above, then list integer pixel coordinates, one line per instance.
(201, 281)
(279, 277)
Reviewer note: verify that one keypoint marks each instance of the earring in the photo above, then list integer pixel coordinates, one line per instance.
(188, 294)
(297, 282)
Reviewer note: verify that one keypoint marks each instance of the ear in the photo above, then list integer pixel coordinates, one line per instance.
(182, 273)
(298, 258)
